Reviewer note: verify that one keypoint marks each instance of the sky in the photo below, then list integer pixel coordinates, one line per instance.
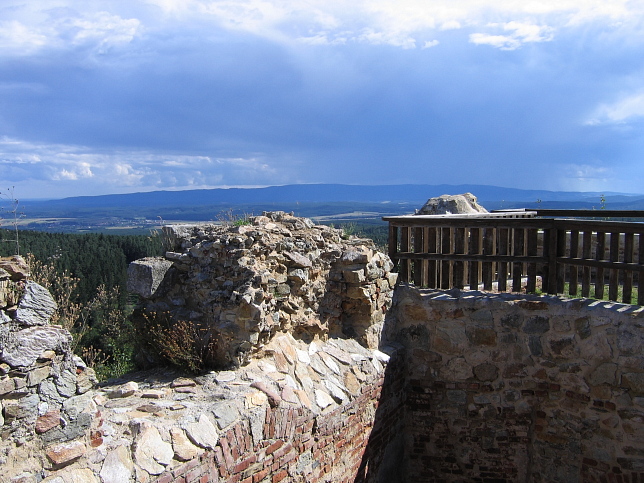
(119, 96)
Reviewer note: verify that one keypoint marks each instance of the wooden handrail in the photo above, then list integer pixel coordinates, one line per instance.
(527, 251)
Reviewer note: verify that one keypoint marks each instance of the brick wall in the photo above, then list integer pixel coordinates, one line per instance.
(297, 446)
(506, 388)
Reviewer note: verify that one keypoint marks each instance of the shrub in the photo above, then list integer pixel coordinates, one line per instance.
(181, 343)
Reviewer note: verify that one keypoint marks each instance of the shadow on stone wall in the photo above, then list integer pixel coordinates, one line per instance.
(384, 459)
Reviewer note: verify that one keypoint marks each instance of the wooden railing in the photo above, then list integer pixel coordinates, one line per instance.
(521, 251)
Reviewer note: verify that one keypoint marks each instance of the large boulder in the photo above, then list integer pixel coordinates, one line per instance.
(451, 205)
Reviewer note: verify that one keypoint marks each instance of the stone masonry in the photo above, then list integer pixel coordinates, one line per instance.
(278, 273)
(43, 387)
(512, 388)
(301, 409)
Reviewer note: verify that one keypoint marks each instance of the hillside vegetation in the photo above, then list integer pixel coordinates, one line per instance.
(87, 276)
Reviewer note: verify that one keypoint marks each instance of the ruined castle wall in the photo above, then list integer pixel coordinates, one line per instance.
(292, 444)
(243, 284)
(513, 388)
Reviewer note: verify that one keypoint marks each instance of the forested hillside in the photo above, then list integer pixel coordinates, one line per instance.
(95, 259)
(87, 274)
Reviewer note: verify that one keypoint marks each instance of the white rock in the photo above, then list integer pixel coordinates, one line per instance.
(151, 453)
(303, 356)
(330, 363)
(202, 433)
(23, 347)
(184, 450)
(118, 466)
(337, 393)
(381, 356)
(266, 366)
(126, 390)
(36, 305)
(322, 399)
(225, 376)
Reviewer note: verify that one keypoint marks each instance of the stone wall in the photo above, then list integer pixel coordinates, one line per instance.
(44, 400)
(328, 380)
(242, 284)
(316, 412)
(511, 388)
(297, 311)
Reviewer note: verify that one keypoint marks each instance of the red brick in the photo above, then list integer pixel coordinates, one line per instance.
(225, 447)
(276, 445)
(279, 476)
(244, 464)
(259, 476)
(283, 450)
(165, 478)
(193, 475)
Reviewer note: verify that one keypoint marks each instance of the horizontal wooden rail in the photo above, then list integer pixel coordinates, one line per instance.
(522, 253)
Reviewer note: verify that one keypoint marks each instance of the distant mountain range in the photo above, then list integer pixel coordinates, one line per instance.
(315, 200)
(318, 193)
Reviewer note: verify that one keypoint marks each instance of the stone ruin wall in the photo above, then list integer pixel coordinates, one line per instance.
(45, 390)
(501, 387)
(279, 273)
(302, 408)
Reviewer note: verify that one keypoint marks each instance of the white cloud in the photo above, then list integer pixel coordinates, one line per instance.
(520, 33)
(102, 28)
(503, 42)
(18, 39)
(627, 108)
(139, 170)
(35, 29)
(402, 23)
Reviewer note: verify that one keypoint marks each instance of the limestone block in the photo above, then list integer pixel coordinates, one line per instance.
(66, 383)
(7, 385)
(125, 390)
(298, 260)
(634, 381)
(537, 324)
(176, 235)
(36, 306)
(145, 276)
(353, 276)
(184, 450)
(322, 399)
(117, 466)
(151, 453)
(457, 369)
(37, 375)
(486, 372)
(76, 405)
(86, 380)
(23, 347)
(202, 433)
(72, 475)
(26, 407)
(359, 293)
(356, 256)
(225, 413)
